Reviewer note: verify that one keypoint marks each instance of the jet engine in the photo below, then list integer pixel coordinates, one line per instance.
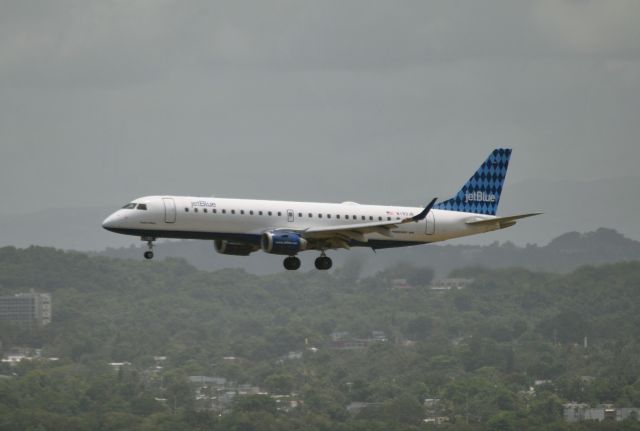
(234, 248)
(288, 243)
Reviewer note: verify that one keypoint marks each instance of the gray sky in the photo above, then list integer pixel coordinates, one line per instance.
(377, 102)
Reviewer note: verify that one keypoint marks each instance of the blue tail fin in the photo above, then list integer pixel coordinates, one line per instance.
(481, 194)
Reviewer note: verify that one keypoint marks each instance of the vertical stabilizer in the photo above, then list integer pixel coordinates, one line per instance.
(481, 194)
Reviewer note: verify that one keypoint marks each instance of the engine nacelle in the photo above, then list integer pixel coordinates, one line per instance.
(288, 243)
(234, 248)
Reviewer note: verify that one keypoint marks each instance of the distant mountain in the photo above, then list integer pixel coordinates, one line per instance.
(562, 254)
(567, 206)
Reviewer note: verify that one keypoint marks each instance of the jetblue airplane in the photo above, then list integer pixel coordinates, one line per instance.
(241, 226)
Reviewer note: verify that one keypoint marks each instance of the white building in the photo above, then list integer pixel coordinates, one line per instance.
(576, 412)
(26, 308)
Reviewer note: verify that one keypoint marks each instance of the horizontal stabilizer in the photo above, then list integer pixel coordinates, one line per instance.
(501, 221)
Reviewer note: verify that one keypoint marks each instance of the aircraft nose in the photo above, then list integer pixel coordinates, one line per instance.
(110, 222)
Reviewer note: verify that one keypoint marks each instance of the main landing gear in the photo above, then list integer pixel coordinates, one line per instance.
(323, 262)
(149, 253)
(291, 263)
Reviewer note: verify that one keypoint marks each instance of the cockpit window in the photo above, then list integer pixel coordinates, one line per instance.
(142, 207)
(129, 206)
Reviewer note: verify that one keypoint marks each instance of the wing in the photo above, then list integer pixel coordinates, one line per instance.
(341, 235)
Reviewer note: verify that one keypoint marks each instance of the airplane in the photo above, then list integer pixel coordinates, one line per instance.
(242, 226)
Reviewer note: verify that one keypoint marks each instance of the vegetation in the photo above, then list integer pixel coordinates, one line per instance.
(479, 350)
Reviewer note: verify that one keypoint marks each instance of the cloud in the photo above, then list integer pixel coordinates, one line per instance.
(75, 43)
(328, 100)
(591, 27)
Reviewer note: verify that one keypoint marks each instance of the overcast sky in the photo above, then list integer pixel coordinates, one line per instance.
(104, 101)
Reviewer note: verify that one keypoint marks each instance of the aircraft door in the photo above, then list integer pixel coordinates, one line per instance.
(431, 224)
(290, 215)
(169, 210)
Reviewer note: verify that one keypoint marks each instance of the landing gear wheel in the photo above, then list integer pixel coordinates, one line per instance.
(291, 263)
(323, 263)
(328, 263)
(149, 253)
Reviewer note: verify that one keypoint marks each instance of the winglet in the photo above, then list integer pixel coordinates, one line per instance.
(423, 213)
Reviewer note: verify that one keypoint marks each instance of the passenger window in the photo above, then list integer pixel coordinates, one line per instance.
(370, 217)
(250, 212)
(363, 217)
(205, 210)
(214, 210)
(224, 211)
(195, 210)
(355, 217)
(380, 218)
(233, 211)
(242, 212)
(270, 213)
(337, 216)
(388, 218)
(319, 215)
(259, 212)
(299, 214)
(186, 210)
(279, 213)
(310, 215)
(328, 215)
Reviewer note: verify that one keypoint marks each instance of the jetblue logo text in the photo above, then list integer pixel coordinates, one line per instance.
(203, 204)
(479, 197)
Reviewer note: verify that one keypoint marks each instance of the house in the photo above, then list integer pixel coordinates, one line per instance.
(450, 284)
(17, 354)
(341, 342)
(356, 407)
(400, 283)
(208, 381)
(577, 412)
(117, 366)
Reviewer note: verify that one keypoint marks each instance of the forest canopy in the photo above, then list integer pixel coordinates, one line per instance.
(505, 352)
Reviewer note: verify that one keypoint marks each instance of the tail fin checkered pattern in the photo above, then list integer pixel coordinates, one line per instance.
(481, 194)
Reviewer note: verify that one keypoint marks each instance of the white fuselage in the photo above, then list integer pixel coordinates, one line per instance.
(247, 219)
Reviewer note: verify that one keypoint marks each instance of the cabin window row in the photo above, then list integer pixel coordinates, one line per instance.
(224, 211)
(300, 215)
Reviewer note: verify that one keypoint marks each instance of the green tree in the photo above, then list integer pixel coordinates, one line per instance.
(254, 403)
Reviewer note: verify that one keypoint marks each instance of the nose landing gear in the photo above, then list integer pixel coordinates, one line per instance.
(149, 253)
(323, 262)
(291, 263)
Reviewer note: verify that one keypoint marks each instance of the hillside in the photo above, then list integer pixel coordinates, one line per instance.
(563, 254)
(477, 350)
